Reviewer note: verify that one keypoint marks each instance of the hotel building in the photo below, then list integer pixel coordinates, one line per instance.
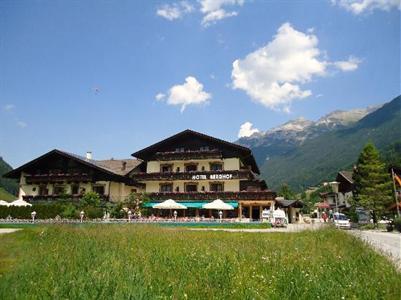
(189, 167)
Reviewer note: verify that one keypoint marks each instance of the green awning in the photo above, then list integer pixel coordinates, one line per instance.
(190, 204)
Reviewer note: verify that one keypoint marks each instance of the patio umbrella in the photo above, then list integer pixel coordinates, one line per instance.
(3, 203)
(218, 205)
(322, 205)
(169, 204)
(20, 202)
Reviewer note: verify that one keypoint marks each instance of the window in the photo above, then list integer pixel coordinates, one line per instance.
(166, 168)
(177, 189)
(99, 189)
(191, 187)
(178, 169)
(204, 148)
(74, 189)
(43, 190)
(166, 188)
(203, 188)
(58, 190)
(180, 149)
(216, 167)
(133, 190)
(216, 187)
(191, 168)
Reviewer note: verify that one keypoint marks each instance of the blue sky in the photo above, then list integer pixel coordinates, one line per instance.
(84, 75)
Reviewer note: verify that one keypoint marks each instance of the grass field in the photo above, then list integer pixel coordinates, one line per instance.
(148, 262)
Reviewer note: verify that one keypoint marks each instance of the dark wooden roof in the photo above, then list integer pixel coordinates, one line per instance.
(190, 137)
(347, 175)
(106, 167)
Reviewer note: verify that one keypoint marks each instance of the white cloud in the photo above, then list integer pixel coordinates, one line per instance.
(21, 124)
(273, 74)
(348, 65)
(246, 130)
(361, 6)
(160, 96)
(9, 107)
(213, 10)
(189, 93)
(174, 11)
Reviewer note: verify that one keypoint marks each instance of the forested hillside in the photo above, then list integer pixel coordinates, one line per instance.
(320, 158)
(7, 186)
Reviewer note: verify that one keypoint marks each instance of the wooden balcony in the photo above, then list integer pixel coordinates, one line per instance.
(244, 195)
(189, 154)
(59, 177)
(38, 198)
(195, 176)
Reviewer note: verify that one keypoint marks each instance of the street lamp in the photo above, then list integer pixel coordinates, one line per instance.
(33, 214)
(82, 214)
(129, 216)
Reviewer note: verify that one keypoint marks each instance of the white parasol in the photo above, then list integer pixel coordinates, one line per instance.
(218, 205)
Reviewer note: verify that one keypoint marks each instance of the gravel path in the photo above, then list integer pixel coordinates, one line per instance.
(8, 230)
(388, 243)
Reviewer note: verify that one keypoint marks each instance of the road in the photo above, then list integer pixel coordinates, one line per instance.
(388, 243)
(8, 230)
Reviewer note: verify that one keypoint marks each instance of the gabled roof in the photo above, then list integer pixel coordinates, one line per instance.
(103, 166)
(347, 175)
(246, 153)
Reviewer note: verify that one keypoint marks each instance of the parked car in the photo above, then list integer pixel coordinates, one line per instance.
(341, 221)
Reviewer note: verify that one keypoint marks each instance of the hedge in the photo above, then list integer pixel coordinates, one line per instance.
(50, 211)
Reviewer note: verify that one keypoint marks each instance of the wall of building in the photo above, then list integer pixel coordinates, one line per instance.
(117, 191)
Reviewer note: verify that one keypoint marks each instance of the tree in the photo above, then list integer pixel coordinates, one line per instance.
(373, 189)
(90, 199)
(286, 192)
(135, 202)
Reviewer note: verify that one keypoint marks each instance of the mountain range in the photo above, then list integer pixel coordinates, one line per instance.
(302, 153)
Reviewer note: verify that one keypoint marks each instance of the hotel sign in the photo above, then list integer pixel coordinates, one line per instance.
(212, 176)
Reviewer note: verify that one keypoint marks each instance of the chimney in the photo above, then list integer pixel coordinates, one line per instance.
(89, 155)
(124, 166)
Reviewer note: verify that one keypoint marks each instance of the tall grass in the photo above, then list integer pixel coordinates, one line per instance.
(148, 262)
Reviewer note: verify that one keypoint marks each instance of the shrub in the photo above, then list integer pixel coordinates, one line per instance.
(70, 211)
(117, 211)
(90, 199)
(92, 212)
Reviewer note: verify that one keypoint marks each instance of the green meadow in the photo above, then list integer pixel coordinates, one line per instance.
(153, 262)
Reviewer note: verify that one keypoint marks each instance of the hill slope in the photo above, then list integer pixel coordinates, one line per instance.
(8, 185)
(320, 158)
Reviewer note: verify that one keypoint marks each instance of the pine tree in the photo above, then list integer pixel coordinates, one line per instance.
(286, 192)
(372, 182)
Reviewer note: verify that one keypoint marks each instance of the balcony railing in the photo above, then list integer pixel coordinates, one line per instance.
(33, 198)
(244, 195)
(59, 177)
(189, 154)
(196, 175)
